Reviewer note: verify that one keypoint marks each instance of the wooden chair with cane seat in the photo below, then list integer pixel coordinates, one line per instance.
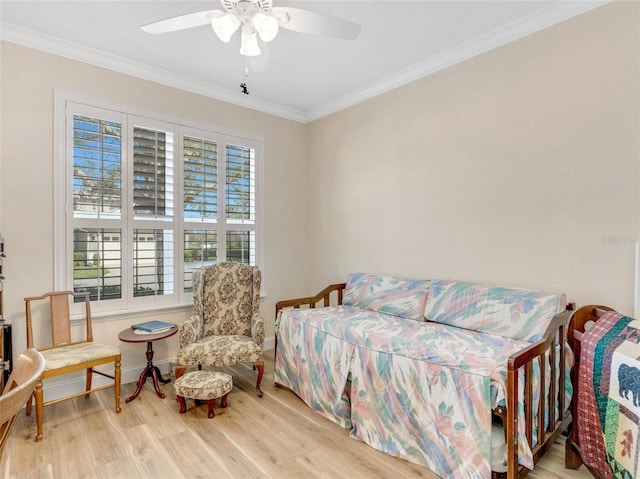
(63, 356)
(19, 388)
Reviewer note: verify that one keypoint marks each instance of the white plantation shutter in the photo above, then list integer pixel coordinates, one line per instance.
(97, 207)
(97, 149)
(241, 246)
(149, 172)
(146, 203)
(97, 264)
(152, 262)
(219, 203)
(240, 203)
(153, 211)
(200, 205)
(241, 184)
(200, 249)
(200, 179)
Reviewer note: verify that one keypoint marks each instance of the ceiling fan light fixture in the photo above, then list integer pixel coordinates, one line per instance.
(225, 26)
(257, 17)
(266, 26)
(249, 46)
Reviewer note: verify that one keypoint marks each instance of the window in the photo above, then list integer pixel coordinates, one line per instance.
(146, 203)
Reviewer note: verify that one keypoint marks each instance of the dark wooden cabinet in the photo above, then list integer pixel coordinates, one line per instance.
(6, 353)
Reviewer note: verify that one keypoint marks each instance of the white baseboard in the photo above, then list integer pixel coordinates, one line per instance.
(130, 374)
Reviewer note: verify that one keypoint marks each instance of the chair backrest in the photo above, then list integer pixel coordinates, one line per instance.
(26, 372)
(59, 317)
(225, 296)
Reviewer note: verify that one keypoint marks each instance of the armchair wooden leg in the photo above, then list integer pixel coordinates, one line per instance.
(180, 369)
(116, 379)
(260, 368)
(39, 394)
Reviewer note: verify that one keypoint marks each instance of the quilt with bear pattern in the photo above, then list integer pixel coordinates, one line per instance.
(609, 391)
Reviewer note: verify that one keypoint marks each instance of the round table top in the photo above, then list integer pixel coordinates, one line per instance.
(129, 336)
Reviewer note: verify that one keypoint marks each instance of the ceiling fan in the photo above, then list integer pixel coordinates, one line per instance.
(258, 18)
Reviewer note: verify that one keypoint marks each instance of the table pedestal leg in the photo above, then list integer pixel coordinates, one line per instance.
(152, 372)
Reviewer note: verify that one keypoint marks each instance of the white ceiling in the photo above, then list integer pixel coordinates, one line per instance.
(307, 77)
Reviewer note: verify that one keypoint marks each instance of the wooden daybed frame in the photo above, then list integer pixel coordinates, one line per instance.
(560, 416)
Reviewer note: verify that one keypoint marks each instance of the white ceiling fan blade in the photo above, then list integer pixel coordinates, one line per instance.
(182, 22)
(313, 23)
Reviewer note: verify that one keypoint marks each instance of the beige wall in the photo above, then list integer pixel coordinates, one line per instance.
(518, 167)
(29, 79)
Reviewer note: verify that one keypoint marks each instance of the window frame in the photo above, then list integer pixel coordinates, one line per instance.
(65, 106)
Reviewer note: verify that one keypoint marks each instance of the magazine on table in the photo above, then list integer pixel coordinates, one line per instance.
(151, 327)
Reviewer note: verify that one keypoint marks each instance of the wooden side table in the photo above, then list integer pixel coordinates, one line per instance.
(128, 336)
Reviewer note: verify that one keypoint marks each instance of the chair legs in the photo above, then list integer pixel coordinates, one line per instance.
(88, 385)
(116, 383)
(39, 395)
(210, 402)
(116, 379)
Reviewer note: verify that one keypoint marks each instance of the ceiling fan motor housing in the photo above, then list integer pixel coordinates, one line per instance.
(246, 9)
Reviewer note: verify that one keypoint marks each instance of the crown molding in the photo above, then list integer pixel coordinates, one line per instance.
(516, 30)
(513, 31)
(74, 51)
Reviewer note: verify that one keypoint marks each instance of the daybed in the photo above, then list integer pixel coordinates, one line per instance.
(428, 370)
(606, 407)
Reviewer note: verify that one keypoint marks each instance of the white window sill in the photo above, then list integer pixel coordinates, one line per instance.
(135, 313)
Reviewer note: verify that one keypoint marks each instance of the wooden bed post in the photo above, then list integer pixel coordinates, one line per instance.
(310, 301)
(577, 326)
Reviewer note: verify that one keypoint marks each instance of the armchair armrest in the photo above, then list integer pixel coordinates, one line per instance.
(257, 328)
(190, 330)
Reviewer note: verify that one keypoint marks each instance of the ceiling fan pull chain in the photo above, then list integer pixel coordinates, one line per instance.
(243, 86)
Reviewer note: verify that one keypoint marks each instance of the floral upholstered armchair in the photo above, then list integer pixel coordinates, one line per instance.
(226, 327)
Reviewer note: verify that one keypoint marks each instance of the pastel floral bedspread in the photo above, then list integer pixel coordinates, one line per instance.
(419, 390)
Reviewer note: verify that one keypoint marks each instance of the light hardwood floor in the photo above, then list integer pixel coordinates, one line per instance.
(276, 436)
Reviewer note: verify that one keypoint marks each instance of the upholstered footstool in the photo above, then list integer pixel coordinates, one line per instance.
(203, 386)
